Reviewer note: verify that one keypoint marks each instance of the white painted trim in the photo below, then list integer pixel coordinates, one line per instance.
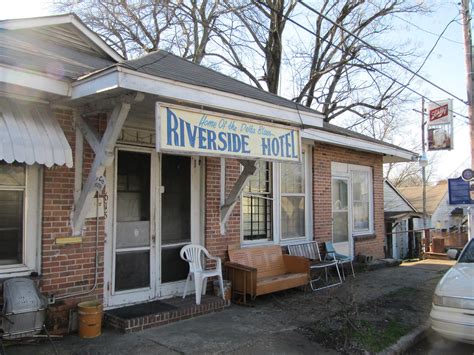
(119, 77)
(26, 23)
(32, 220)
(33, 80)
(276, 206)
(368, 171)
(391, 154)
(94, 38)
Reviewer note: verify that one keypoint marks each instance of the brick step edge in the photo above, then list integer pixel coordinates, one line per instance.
(156, 320)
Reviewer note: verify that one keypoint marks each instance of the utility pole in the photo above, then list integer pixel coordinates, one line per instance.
(423, 154)
(466, 21)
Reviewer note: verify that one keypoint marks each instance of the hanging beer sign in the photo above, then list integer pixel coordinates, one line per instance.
(440, 112)
(440, 125)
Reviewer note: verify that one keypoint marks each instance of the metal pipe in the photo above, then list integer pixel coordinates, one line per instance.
(96, 275)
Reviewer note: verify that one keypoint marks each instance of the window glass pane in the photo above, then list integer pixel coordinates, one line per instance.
(261, 180)
(360, 197)
(257, 204)
(132, 270)
(133, 200)
(257, 218)
(360, 186)
(11, 227)
(361, 216)
(173, 267)
(292, 216)
(292, 177)
(133, 187)
(12, 174)
(340, 231)
(176, 199)
(339, 195)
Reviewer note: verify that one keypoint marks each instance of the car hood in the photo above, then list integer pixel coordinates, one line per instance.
(458, 281)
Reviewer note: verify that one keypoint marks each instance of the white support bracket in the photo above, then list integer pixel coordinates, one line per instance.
(89, 132)
(226, 209)
(104, 156)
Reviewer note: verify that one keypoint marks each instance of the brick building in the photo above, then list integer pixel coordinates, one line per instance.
(108, 167)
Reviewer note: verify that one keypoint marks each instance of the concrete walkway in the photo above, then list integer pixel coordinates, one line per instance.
(271, 327)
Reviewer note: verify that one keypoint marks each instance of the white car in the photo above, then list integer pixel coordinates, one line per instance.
(452, 314)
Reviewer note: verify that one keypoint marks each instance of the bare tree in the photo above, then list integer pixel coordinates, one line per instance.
(263, 41)
(341, 74)
(142, 26)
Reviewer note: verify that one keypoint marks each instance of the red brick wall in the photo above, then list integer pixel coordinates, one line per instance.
(323, 155)
(70, 268)
(214, 241)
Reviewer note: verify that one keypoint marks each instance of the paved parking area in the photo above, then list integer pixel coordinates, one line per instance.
(270, 327)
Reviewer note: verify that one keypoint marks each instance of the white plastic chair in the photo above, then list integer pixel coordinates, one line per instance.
(193, 254)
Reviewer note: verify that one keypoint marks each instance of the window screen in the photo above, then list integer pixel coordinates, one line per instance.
(257, 206)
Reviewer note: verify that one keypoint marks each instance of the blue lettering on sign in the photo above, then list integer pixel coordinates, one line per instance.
(280, 147)
(181, 133)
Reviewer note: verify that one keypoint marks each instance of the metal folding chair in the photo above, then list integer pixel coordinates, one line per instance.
(310, 250)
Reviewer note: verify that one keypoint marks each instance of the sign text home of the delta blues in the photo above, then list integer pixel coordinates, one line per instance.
(195, 132)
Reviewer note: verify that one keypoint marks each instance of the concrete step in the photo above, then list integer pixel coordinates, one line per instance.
(156, 313)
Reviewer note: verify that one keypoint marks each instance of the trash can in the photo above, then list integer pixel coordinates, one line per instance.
(227, 289)
(90, 319)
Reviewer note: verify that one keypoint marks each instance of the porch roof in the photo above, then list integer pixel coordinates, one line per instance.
(340, 136)
(173, 78)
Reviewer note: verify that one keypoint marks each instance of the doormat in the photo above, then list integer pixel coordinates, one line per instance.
(141, 310)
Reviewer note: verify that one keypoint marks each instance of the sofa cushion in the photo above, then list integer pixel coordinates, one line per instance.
(268, 260)
(269, 284)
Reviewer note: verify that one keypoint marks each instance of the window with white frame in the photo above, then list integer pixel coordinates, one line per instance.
(293, 199)
(19, 218)
(360, 196)
(361, 201)
(275, 203)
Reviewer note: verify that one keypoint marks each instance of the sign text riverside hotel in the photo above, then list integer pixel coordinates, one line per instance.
(198, 132)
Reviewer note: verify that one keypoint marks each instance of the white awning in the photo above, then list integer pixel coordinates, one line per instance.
(30, 134)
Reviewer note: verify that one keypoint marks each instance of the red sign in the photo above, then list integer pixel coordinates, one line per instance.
(439, 112)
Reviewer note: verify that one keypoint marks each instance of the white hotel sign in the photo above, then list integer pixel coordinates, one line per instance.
(207, 133)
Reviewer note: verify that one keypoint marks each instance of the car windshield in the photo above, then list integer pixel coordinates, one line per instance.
(468, 254)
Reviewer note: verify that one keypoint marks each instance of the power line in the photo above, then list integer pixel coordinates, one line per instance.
(362, 62)
(389, 57)
(426, 58)
(426, 31)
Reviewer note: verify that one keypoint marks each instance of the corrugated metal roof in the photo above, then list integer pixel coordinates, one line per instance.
(58, 51)
(30, 134)
(169, 66)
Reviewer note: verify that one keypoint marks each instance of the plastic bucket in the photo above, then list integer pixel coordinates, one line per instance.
(227, 289)
(90, 319)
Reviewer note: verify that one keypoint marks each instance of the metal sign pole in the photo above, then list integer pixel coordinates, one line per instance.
(423, 168)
